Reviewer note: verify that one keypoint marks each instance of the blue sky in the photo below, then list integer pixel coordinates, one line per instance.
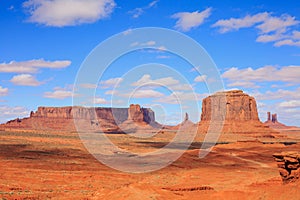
(254, 44)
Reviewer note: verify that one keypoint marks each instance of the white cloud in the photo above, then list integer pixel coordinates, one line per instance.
(32, 66)
(188, 20)
(181, 87)
(227, 25)
(296, 34)
(279, 94)
(127, 32)
(148, 43)
(111, 92)
(269, 38)
(25, 80)
(99, 100)
(267, 73)
(8, 113)
(271, 28)
(110, 83)
(290, 104)
(146, 80)
(287, 42)
(163, 57)
(137, 12)
(180, 97)
(244, 84)
(3, 91)
(68, 12)
(59, 93)
(88, 85)
(200, 78)
(277, 24)
(147, 93)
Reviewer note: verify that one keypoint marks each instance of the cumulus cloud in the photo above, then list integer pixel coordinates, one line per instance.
(287, 42)
(231, 24)
(277, 24)
(179, 97)
(88, 85)
(200, 78)
(290, 104)
(188, 20)
(59, 93)
(148, 43)
(99, 100)
(3, 91)
(61, 13)
(32, 66)
(110, 83)
(146, 80)
(137, 12)
(25, 80)
(244, 84)
(289, 74)
(270, 28)
(280, 94)
(143, 93)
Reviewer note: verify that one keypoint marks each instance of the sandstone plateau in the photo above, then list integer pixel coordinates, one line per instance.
(63, 118)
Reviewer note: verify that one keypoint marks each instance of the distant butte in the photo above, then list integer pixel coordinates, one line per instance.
(272, 122)
(237, 112)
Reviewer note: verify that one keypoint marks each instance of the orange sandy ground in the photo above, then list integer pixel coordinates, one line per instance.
(57, 166)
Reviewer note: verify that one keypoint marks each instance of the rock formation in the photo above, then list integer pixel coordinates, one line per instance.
(62, 118)
(138, 114)
(289, 165)
(234, 111)
(185, 124)
(229, 106)
(272, 122)
(274, 118)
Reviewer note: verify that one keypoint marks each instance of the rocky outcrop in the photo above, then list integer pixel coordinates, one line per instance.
(229, 106)
(289, 165)
(272, 122)
(62, 118)
(138, 114)
(232, 112)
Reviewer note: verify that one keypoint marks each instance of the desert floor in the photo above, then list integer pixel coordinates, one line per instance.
(40, 165)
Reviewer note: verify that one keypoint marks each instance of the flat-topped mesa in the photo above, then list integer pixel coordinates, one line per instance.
(62, 118)
(232, 105)
(78, 112)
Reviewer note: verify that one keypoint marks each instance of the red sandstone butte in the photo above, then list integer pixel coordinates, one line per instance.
(234, 112)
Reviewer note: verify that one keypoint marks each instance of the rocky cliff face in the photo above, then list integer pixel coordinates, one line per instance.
(232, 112)
(138, 114)
(229, 106)
(289, 165)
(62, 118)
